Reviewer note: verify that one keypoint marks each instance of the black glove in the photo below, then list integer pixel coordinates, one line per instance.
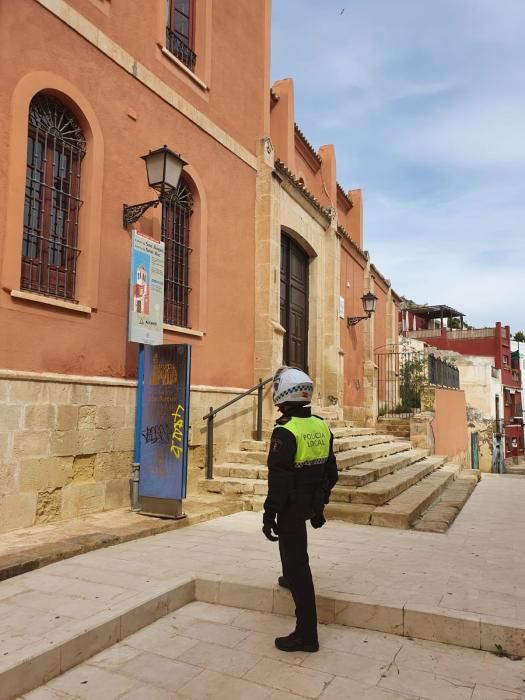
(269, 526)
(318, 520)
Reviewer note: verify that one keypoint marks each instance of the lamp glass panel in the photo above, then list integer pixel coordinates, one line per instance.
(173, 170)
(155, 168)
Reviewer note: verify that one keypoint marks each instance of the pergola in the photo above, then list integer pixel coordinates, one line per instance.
(433, 312)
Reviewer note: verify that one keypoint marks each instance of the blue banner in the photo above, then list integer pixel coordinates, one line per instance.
(165, 421)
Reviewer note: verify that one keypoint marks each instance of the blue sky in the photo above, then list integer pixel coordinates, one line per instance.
(424, 101)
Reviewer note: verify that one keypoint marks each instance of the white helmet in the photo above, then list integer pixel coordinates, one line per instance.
(291, 385)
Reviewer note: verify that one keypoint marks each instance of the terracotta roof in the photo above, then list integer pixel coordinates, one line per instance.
(343, 194)
(299, 185)
(344, 234)
(308, 144)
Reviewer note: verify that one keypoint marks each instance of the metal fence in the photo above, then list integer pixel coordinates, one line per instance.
(402, 375)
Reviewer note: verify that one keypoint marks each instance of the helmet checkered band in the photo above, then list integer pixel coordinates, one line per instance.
(292, 385)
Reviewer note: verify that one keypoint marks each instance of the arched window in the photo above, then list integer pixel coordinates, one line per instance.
(176, 219)
(55, 149)
(180, 30)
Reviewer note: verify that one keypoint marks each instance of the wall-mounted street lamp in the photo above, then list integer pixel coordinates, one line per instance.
(369, 306)
(164, 168)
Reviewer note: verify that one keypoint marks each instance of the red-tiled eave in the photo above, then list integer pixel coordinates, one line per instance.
(281, 168)
(308, 145)
(346, 198)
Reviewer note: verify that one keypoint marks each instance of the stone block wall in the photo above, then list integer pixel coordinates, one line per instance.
(66, 443)
(66, 447)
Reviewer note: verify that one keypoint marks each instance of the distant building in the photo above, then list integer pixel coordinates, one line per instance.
(429, 324)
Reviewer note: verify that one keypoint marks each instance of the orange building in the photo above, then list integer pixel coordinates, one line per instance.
(263, 247)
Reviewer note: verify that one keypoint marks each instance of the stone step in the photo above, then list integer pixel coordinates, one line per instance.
(442, 513)
(370, 471)
(254, 445)
(352, 443)
(517, 469)
(246, 456)
(392, 420)
(357, 513)
(254, 503)
(230, 486)
(385, 489)
(351, 431)
(241, 471)
(351, 458)
(393, 430)
(403, 510)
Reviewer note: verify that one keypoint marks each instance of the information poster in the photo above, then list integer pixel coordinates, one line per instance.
(146, 304)
(165, 421)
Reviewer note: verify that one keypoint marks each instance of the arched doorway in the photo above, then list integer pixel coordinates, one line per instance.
(294, 303)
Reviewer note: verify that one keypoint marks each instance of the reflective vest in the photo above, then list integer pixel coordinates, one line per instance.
(312, 438)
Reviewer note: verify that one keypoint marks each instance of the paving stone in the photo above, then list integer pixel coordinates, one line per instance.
(289, 678)
(210, 685)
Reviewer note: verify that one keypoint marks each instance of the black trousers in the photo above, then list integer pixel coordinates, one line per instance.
(293, 547)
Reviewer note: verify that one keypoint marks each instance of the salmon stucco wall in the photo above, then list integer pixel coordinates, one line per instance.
(450, 424)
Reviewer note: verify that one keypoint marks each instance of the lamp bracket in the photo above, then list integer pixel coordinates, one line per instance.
(133, 212)
(354, 320)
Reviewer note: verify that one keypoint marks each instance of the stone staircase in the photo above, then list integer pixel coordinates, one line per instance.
(382, 479)
(392, 425)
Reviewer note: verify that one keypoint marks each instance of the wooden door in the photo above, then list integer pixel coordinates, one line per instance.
(294, 303)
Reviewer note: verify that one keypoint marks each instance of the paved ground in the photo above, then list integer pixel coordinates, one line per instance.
(210, 651)
(30, 548)
(475, 571)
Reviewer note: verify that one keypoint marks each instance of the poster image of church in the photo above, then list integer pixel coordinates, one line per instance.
(141, 286)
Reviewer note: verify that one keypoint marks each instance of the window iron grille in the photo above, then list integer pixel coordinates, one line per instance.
(55, 149)
(180, 31)
(176, 221)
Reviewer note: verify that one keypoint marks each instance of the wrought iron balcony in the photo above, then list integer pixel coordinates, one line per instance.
(178, 48)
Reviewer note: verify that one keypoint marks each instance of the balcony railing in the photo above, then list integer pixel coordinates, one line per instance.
(425, 333)
(454, 334)
(179, 49)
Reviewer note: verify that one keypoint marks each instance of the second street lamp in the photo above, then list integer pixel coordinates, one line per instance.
(369, 301)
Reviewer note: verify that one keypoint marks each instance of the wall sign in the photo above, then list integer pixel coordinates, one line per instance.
(146, 300)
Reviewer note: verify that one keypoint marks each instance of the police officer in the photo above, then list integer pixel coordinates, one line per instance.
(301, 473)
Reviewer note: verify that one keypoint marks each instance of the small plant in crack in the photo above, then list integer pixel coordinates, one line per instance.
(500, 651)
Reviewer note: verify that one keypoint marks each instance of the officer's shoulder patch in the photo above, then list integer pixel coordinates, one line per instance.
(276, 444)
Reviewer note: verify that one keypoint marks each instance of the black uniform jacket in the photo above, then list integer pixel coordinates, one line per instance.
(284, 481)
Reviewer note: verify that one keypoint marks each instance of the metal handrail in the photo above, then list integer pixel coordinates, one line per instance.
(213, 412)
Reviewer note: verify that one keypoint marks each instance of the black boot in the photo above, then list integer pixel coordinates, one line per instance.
(283, 582)
(295, 643)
